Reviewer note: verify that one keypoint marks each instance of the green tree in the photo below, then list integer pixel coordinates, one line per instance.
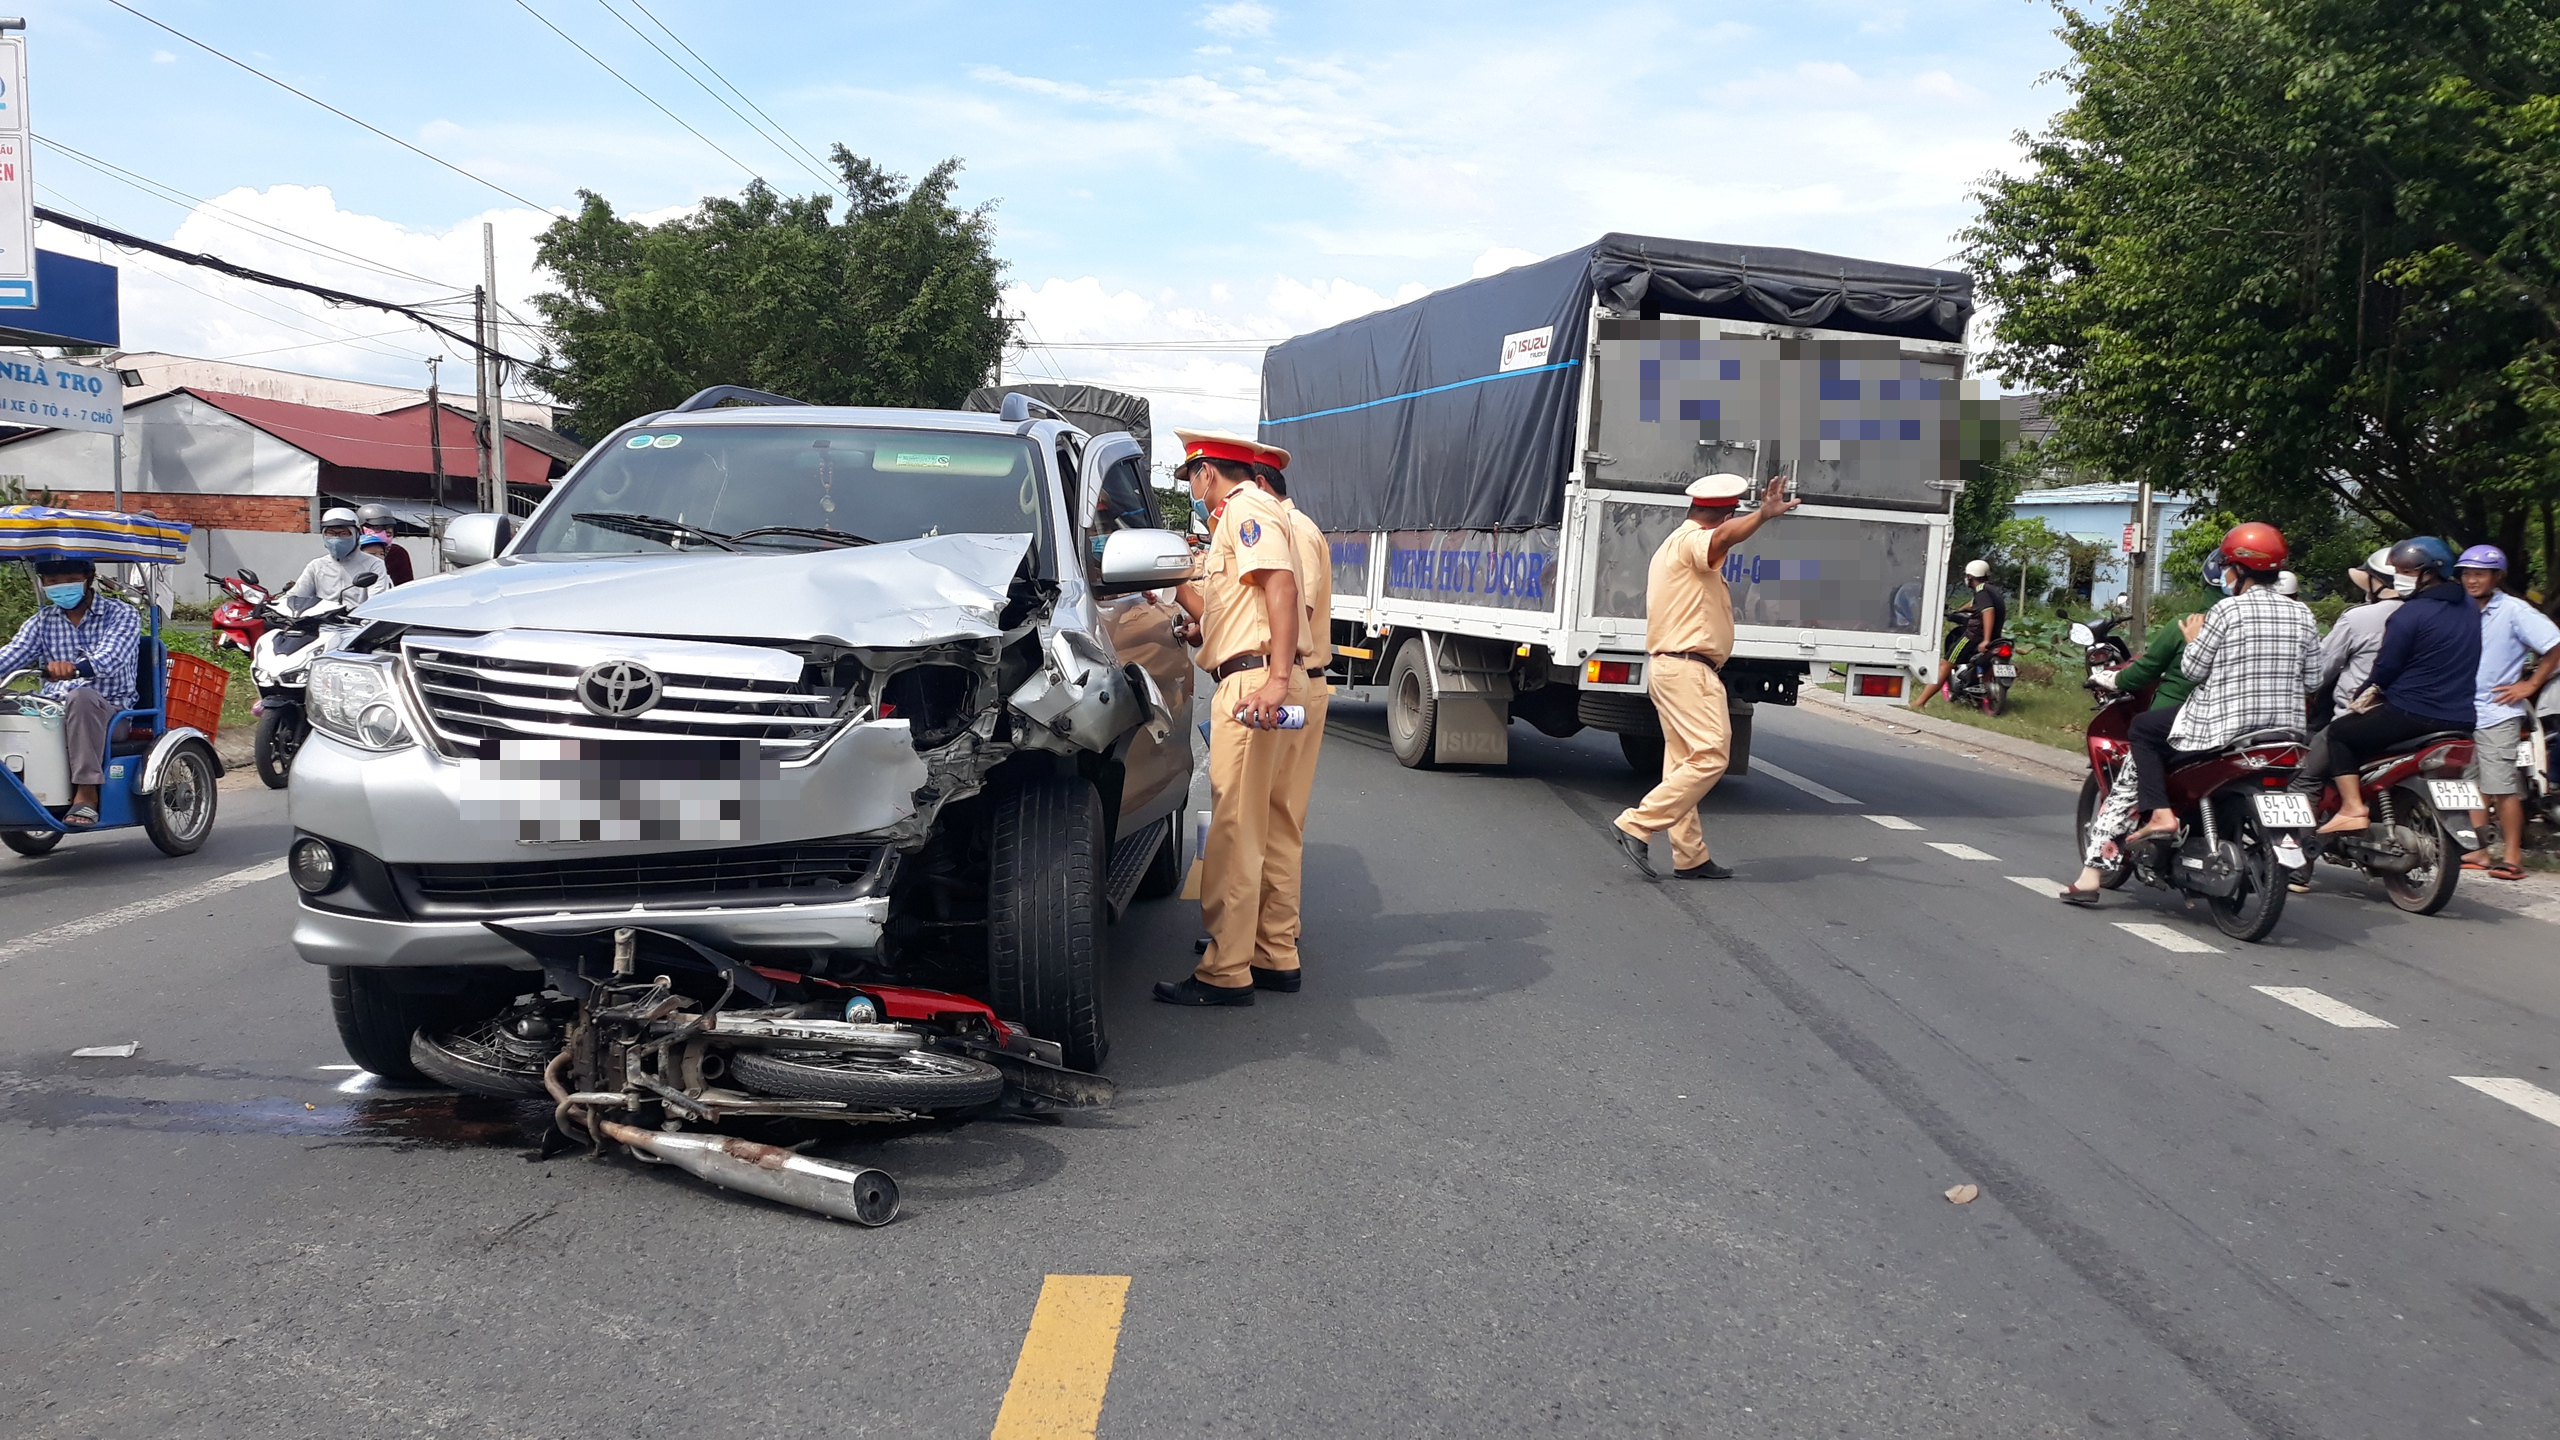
(2299, 257)
(894, 303)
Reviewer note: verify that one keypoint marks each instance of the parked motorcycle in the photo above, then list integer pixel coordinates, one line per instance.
(642, 1038)
(2231, 850)
(2535, 753)
(1985, 679)
(281, 664)
(237, 623)
(2421, 826)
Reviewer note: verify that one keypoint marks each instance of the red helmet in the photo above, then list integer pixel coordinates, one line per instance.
(2255, 545)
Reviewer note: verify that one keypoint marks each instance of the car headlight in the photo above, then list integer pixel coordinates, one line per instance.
(353, 698)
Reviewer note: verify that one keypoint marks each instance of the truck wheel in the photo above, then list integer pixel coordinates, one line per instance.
(178, 813)
(1164, 873)
(1644, 756)
(1045, 870)
(1413, 703)
(375, 1020)
(31, 843)
(279, 735)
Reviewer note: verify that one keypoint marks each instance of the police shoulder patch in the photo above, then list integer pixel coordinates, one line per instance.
(1250, 532)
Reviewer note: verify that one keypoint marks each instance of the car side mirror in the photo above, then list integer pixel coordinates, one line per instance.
(2083, 636)
(476, 539)
(1134, 560)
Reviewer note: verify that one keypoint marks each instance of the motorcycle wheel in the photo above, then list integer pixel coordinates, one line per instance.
(1995, 698)
(2425, 889)
(906, 1080)
(2252, 913)
(2107, 879)
(31, 843)
(279, 736)
(481, 1059)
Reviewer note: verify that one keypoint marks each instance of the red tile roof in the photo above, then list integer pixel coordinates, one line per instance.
(397, 441)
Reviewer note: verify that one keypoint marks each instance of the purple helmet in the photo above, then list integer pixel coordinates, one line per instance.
(2482, 557)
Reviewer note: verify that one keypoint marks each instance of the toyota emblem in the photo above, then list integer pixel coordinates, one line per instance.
(619, 689)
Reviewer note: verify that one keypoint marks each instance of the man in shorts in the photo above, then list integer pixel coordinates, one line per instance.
(2519, 648)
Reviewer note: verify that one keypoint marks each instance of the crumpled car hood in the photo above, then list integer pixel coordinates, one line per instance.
(906, 593)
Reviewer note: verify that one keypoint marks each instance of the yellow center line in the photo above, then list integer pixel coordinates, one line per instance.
(1066, 1360)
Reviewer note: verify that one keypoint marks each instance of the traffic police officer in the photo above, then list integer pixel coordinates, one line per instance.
(1248, 613)
(1284, 854)
(1688, 631)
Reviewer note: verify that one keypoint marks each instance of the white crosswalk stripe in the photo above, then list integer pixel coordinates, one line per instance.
(2167, 938)
(2526, 1096)
(1961, 852)
(1893, 822)
(1816, 789)
(2046, 888)
(2336, 1012)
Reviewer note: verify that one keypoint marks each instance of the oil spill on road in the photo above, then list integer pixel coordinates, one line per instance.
(398, 1121)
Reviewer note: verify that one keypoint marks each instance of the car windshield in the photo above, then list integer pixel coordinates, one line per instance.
(766, 489)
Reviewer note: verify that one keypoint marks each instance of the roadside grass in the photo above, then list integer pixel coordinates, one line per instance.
(2048, 714)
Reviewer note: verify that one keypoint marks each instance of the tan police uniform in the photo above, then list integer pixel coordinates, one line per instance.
(1688, 630)
(1285, 845)
(1252, 534)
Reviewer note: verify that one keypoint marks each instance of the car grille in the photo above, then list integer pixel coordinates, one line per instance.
(810, 872)
(472, 697)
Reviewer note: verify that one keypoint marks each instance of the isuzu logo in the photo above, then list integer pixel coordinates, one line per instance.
(619, 689)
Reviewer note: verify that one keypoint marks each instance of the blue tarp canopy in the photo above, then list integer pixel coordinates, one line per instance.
(37, 532)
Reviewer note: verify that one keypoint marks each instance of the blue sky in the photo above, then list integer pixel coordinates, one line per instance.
(1194, 175)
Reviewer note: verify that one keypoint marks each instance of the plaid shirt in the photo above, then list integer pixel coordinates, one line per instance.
(2256, 658)
(104, 645)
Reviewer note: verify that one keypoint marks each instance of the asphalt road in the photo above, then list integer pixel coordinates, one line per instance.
(1543, 1148)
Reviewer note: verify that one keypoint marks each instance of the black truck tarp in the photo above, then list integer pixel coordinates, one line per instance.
(1089, 408)
(1454, 412)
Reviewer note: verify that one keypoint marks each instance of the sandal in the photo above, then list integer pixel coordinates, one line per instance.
(80, 817)
(2504, 871)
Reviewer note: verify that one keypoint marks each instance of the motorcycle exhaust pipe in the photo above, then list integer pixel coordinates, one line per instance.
(865, 1196)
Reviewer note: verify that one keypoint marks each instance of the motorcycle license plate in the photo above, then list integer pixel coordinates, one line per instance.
(2454, 794)
(2285, 812)
(2005, 672)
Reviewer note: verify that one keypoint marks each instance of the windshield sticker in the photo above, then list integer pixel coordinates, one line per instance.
(666, 442)
(636, 442)
(909, 461)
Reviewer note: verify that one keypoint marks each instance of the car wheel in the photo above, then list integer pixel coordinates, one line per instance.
(1045, 869)
(1644, 756)
(375, 1020)
(31, 843)
(178, 813)
(1413, 704)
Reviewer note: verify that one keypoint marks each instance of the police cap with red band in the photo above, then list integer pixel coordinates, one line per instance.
(1217, 445)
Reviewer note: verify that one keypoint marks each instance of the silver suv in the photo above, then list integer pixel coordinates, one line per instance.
(888, 696)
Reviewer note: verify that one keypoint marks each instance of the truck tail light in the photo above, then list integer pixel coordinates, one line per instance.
(1880, 687)
(1609, 672)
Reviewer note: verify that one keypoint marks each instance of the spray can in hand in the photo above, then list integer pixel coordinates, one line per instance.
(1290, 717)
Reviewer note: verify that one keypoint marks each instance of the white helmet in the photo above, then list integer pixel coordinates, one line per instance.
(1977, 569)
(2288, 583)
(2376, 574)
(338, 515)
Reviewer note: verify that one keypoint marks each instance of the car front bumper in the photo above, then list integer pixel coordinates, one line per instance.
(330, 937)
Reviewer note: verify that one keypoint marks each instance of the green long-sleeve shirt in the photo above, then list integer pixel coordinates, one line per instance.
(2158, 664)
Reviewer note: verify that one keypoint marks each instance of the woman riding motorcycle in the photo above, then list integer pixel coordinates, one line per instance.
(2424, 672)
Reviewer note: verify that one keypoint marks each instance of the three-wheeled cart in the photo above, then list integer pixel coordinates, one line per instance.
(158, 772)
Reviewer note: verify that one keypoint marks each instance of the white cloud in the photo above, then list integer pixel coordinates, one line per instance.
(1501, 258)
(163, 57)
(1242, 17)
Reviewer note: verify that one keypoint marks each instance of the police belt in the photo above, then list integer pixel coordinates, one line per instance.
(1700, 656)
(1237, 665)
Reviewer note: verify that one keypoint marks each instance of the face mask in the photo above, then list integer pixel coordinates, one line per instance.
(1200, 511)
(66, 597)
(340, 546)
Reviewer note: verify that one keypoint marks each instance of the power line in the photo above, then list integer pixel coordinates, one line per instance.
(831, 182)
(242, 272)
(723, 79)
(332, 109)
(170, 194)
(634, 89)
(1253, 347)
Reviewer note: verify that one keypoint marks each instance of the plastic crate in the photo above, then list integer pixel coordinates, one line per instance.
(196, 687)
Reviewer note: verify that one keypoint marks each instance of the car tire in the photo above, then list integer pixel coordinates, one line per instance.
(1644, 756)
(1045, 871)
(375, 1020)
(1413, 705)
(178, 813)
(1164, 873)
(279, 736)
(31, 843)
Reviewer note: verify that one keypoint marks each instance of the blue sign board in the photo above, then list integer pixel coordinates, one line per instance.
(79, 304)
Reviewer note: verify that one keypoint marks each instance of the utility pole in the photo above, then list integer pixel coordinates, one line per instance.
(435, 428)
(2138, 580)
(480, 383)
(497, 415)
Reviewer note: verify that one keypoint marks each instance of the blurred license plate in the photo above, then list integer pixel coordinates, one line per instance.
(2454, 794)
(2285, 812)
(2005, 672)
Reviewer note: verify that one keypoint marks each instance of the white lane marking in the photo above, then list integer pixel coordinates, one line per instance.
(2167, 939)
(1893, 822)
(1961, 852)
(125, 1051)
(2526, 1096)
(109, 919)
(2049, 889)
(1813, 788)
(2336, 1012)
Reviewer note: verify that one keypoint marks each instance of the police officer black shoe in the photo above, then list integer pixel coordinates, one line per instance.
(1191, 991)
(1634, 849)
(1283, 981)
(1704, 870)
